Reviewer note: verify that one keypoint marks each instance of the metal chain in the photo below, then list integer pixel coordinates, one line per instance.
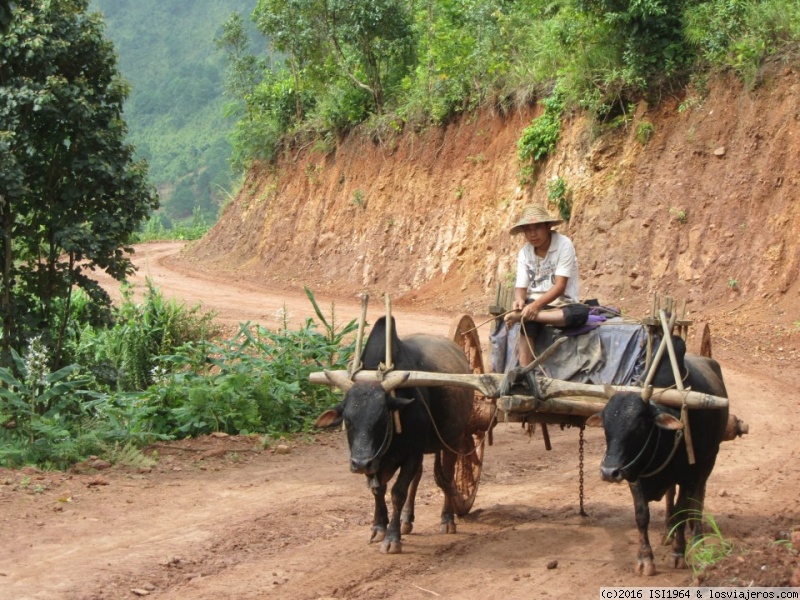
(580, 470)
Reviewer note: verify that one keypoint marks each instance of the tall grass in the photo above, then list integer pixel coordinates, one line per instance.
(705, 549)
(159, 372)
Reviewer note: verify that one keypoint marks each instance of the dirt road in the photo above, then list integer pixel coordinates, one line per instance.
(222, 518)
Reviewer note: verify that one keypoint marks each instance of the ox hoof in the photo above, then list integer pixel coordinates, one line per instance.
(677, 560)
(646, 567)
(377, 535)
(392, 547)
(406, 527)
(447, 527)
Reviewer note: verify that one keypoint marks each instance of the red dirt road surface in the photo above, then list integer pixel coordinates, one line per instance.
(225, 518)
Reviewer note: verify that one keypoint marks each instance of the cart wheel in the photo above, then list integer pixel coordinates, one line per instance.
(468, 471)
(701, 340)
(470, 460)
(464, 334)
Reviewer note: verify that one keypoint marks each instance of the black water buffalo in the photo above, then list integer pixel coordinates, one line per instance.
(645, 446)
(432, 420)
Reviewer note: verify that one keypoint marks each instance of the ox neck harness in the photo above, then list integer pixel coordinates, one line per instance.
(374, 480)
(656, 471)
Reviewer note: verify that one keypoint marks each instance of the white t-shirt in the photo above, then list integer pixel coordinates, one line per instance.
(539, 274)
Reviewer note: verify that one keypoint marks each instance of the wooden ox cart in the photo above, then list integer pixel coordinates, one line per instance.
(552, 401)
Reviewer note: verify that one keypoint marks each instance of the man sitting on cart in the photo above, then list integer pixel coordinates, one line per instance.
(546, 288)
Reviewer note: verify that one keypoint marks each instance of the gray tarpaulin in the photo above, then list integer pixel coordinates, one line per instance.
(613, 353)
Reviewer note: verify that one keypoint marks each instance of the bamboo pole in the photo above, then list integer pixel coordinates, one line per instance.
(687, 432)
(389, 365)
(356, 364)
(659, 353)
(488, 384)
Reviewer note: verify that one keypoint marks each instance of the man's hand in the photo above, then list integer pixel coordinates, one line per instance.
(529, 312)
(512, 317)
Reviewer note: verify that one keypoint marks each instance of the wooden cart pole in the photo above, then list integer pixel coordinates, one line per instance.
(676, 373)
(389, 365)
(657, 358)
(355, 366)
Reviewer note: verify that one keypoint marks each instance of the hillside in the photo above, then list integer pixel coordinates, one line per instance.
(175, 112)
(707, 210)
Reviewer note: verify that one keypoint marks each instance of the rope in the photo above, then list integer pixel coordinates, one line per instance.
(439, 435)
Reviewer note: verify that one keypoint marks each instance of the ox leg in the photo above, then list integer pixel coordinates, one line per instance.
(408, 471)
(680, 517)
(407, 516)
(644, 564)
(670, 508)
(444, 471)
(689, 511)
(380, 518)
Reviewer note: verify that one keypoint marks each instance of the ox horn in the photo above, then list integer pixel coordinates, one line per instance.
(608, 391)
(339, 380)
(394, 380)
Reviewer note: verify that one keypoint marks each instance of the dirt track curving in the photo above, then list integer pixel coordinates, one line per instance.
(222, 518)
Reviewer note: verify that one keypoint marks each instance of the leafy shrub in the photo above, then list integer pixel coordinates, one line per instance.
(740, 33)
(123, 357)
(559, 194)
(540, 138)
(257, 381)
(644, 131)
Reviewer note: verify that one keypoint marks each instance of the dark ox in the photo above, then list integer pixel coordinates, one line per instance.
(378, 450)
(645, 446)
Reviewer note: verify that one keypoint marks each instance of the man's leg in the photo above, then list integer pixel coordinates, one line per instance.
(572, 315)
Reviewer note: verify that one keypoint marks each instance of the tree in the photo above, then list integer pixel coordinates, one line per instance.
(373, 43)
(369, 41)
(5, 15)
(71, 194)
(293, 30)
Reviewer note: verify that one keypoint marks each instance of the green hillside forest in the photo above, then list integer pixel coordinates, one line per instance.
(175, 112)
(395, 65)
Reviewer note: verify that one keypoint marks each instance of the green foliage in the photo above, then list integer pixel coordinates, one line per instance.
(358, 198)
(740, 34)
(708, 548)
(429, 62)
(644, 131)
(257, 381)
(559, 194)
(49, 418)
(539, 139)
(154, 229)
(680, 215)
(72, 195)
(126, 356)
(175, 110)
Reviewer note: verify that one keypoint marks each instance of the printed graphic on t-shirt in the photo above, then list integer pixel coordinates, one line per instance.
(542, 275)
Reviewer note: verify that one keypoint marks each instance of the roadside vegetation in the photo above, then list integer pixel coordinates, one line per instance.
(79, 376)
(392, 65)
(161, 370)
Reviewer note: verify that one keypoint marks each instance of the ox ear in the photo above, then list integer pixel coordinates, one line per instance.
(667, 421)
(339, 380)
(330, 418)
(394, 380)
(596, 420)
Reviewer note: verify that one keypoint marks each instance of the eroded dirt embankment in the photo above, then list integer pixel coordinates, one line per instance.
(706, 210)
